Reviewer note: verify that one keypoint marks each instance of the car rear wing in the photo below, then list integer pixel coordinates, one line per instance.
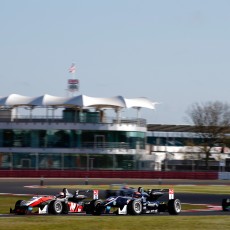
(95, 194)
(159, 192)
(76, 193)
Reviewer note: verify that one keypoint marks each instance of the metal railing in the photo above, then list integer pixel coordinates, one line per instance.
(59, 119)
(105, 145)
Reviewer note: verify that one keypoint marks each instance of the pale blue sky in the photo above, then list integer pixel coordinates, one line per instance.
(176, 52)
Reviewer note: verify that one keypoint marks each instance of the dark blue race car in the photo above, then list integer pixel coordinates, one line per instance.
(141, 202)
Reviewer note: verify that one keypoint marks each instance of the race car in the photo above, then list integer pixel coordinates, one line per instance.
(62, 203)
(141, 202)
(226, 204)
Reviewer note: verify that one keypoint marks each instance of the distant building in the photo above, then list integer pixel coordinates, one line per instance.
(82, 136)
(79, 133)
(176, 147)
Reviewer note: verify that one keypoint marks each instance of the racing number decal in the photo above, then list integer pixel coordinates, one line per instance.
(72, 206)
(171, 194)
(95, 194)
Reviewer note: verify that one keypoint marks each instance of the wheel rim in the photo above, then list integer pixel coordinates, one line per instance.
(137, 207)
(58, 207)
(177, 207)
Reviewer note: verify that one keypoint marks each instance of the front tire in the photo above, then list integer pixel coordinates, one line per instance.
(174, 206)
(19, 203)
(135, 207)
(18, 209)
(55, 207)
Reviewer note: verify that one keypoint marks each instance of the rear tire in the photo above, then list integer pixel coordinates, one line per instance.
(95, 206)
(225, 204)
(97, 209)
(135, 207)
(174, 206)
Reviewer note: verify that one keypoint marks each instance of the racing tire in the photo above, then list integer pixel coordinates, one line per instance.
(19, 203)
(96, 208)
(17, 206)
(55, 207)
(174, 207)
(135, 207)
(226, 204)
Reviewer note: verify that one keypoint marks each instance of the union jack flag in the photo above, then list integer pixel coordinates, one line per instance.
(72, 68)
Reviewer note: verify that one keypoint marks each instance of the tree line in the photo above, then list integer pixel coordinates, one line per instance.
(211, 121)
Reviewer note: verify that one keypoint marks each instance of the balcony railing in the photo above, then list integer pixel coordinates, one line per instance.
(106, 145)
(140, 122)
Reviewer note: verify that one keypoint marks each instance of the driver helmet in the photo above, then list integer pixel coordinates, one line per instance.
(61, 194)
(140, 189)
(136, 194)
(76, 193)
(126, 187)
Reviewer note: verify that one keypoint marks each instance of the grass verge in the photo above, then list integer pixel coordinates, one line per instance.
(115, 222)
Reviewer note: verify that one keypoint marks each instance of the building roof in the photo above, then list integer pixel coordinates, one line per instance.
(170, 128)
(80, 101)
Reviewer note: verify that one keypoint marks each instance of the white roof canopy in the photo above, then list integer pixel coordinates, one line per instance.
(80, 101)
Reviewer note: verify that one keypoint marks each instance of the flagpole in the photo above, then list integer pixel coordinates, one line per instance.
(73, 83)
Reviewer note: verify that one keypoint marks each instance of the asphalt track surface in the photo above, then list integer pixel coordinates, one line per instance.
(33, 186)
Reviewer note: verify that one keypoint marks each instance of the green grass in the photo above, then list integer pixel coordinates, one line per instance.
(115, 222)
